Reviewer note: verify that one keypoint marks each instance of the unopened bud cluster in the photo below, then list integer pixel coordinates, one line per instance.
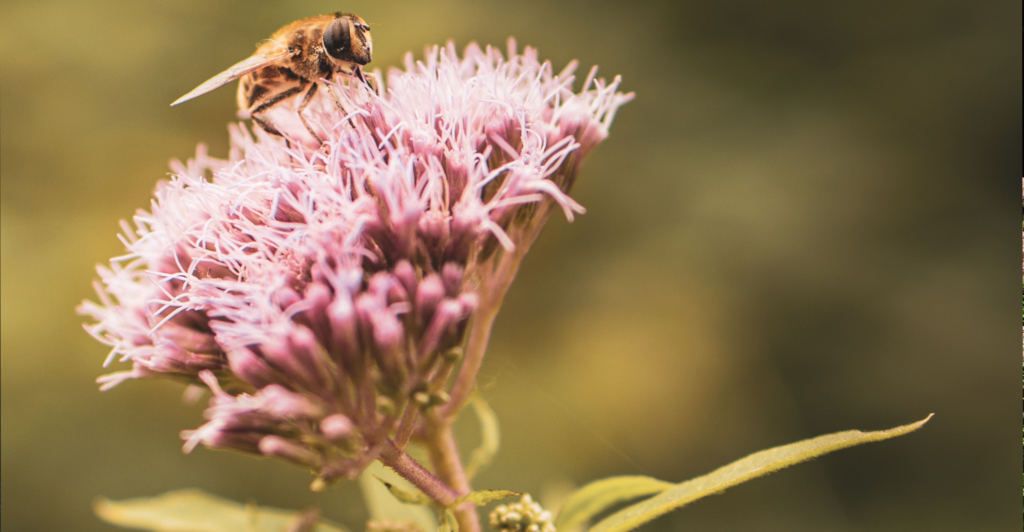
(323, 293)
(523, 516)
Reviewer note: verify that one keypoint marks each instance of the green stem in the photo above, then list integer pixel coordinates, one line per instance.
(444, 456)
(479, 336)
(405, 426)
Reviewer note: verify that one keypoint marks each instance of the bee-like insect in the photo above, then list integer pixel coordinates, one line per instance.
(293, 60)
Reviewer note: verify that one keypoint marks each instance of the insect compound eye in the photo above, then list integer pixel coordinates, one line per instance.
(337, 40)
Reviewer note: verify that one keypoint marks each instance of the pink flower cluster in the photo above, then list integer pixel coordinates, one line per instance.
(326, 293)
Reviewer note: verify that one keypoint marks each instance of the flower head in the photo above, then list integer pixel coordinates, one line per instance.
(323, 293)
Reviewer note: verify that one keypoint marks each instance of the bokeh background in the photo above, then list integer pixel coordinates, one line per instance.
(804, 223)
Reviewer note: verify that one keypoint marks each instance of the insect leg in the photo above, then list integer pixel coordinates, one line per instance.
(358, 73)
(267, 104)
(302, 107)
(265, 125)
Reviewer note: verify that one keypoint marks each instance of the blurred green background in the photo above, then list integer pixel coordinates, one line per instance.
(799, 226)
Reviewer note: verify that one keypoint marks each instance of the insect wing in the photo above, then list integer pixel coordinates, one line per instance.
(236, 71)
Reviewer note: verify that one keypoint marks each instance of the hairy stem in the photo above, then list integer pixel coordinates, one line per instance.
(417, 475)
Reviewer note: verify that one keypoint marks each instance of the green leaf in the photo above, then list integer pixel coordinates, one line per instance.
(196, 511)
(483, 497)
(601, 495)
(490, 437)
(405, 496)
(383, 505)
(448, 523)
(755, 465)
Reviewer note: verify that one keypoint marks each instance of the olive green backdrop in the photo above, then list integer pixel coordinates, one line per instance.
(804, 223)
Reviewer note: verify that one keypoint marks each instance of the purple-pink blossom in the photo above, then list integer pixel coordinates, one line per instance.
(325, 294)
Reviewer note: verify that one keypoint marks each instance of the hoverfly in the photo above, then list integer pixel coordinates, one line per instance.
(293, 60)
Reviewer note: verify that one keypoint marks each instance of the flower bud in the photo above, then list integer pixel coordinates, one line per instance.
(188, 338)
(446, 314)
(469, 301)
(389, 340)
(169, 358)
(434, 231)
(453, 354)
(429, 294)
(279, 355)
(286, 297)
(308, 352)
(439, 398)
(317, 298)
(275, 446)
(380, 284)
(250, 368)
(406, 275)
(386, 337)
(283, 403)
(385, 405)
(244, 441)
(344, 335)
(336, 426)
(451, 276)
(421, 398)
(397, 297)
(466, 226)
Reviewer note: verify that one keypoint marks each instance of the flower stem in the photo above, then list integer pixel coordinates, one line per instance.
(405, 426)
(444, 456)
(417, 475)
(479, 336)
(492, 297)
